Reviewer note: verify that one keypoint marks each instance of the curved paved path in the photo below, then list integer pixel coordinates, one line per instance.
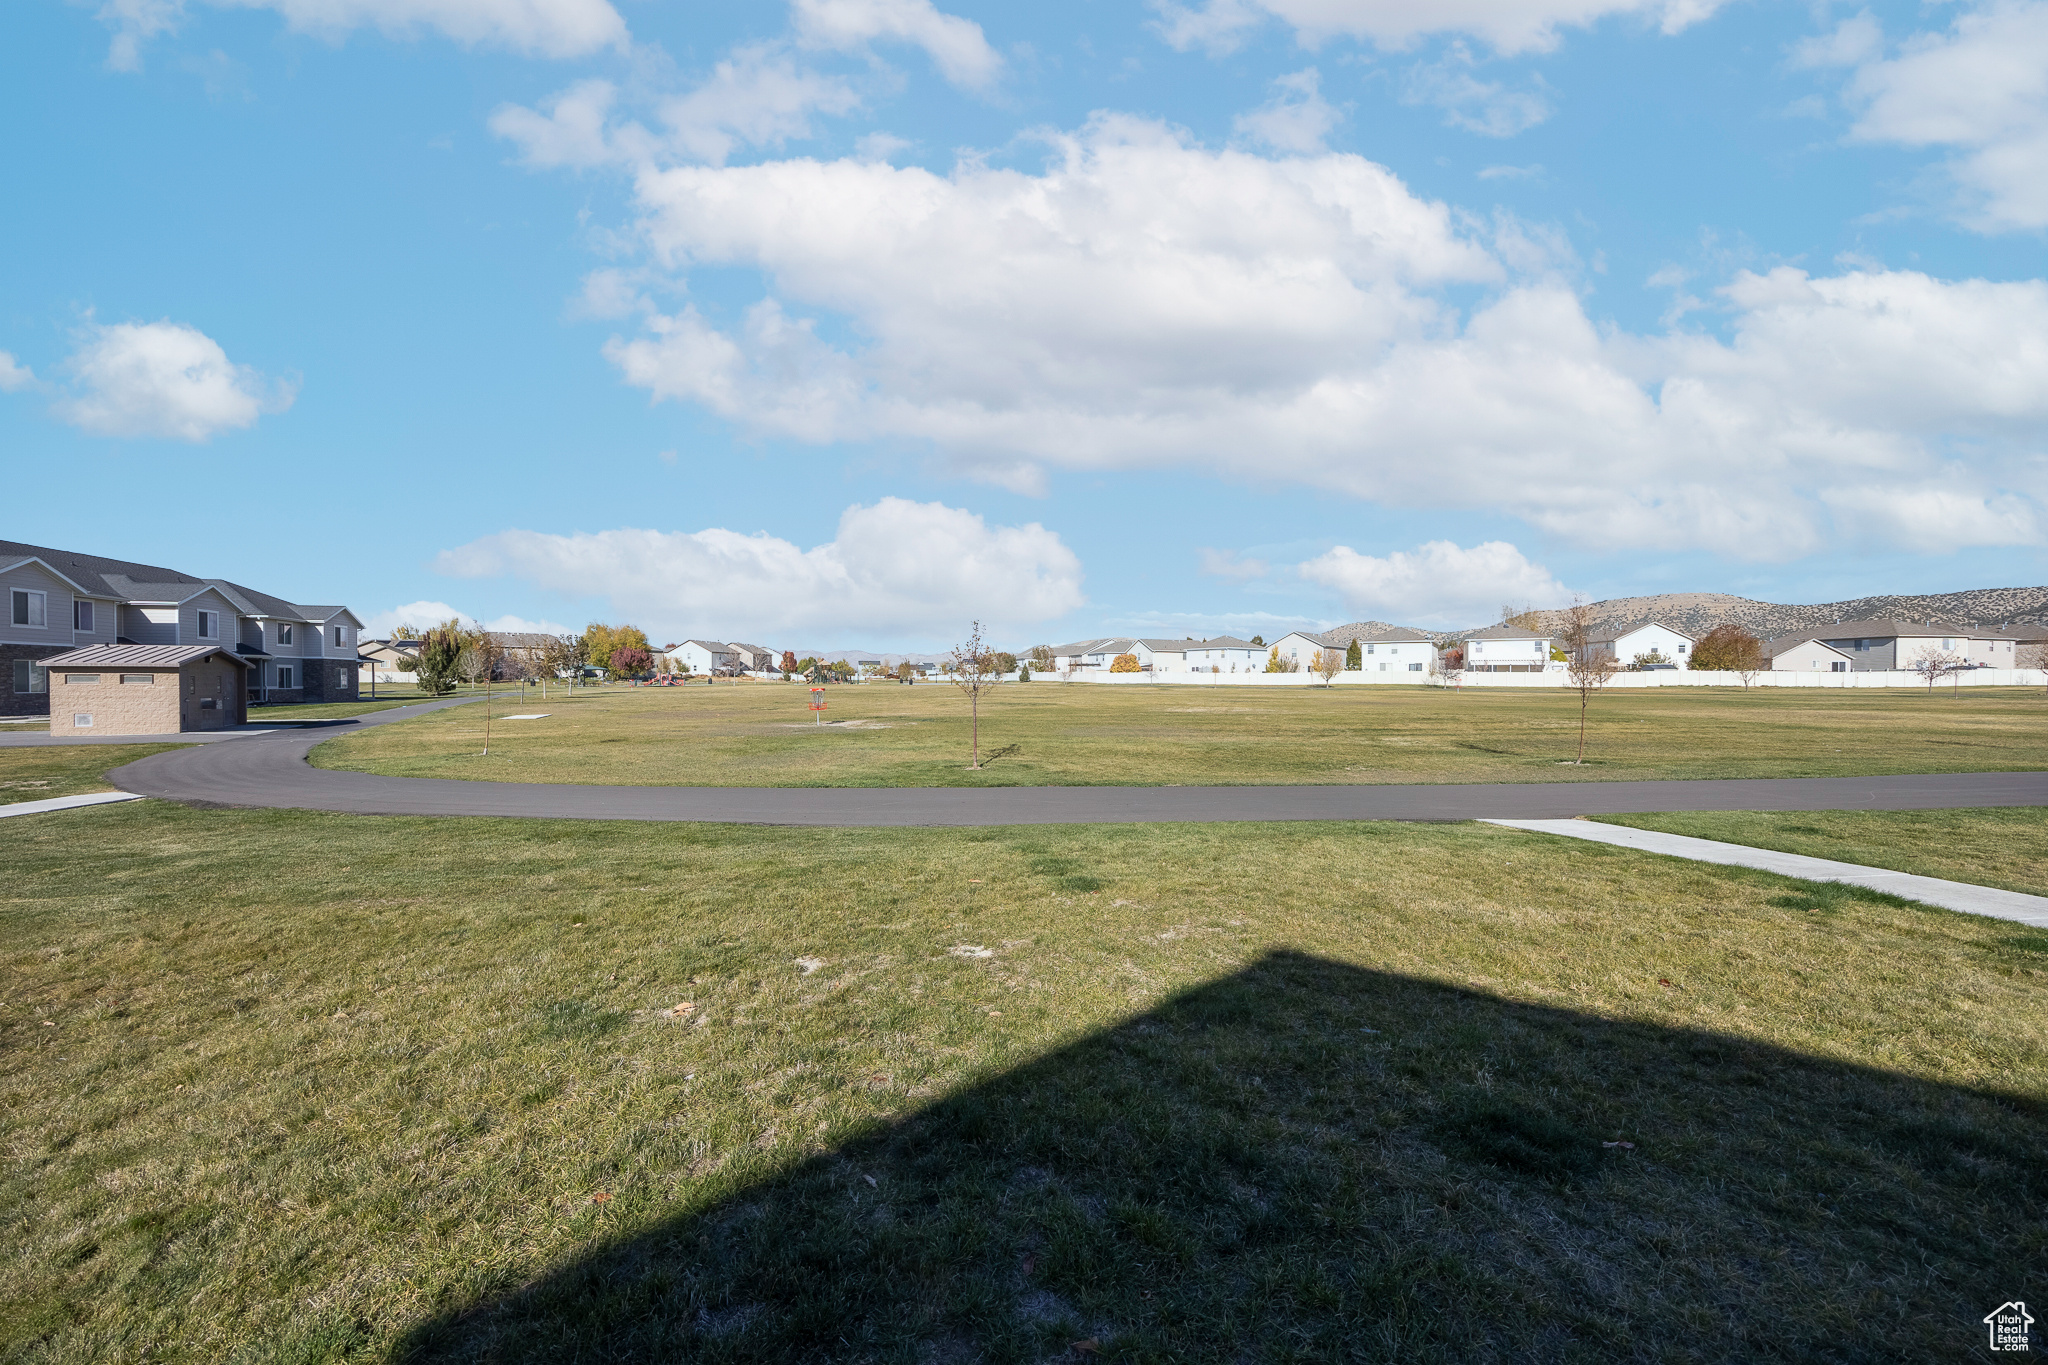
(270, 770)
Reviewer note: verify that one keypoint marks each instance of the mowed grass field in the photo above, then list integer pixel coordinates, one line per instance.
(2004, 848)
(65, 770)
(1070, 734)
(281, 1086)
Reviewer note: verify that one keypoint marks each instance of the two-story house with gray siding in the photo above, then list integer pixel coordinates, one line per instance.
(60, 600)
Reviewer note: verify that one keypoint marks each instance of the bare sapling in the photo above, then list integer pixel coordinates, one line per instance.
(1326, 664)
(1587, 665)
(1933, 664)
(971, 668)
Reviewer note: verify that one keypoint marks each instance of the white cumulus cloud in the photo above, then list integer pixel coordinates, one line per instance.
(899, 567)
(1507, 26)
(163, 379)
(427, 613)
(546, 28)
(13, 374)
(1440, 583)
(1146, 302)
(1488, 108)
(1296, 119)
(757, 96)
(956, 46)
(1980, 88)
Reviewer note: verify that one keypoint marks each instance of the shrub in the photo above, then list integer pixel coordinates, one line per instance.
(1124, 663)
(1729, 649)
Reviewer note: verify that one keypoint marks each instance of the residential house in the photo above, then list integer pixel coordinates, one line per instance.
(1508, 649)
(1219, 654)
(1881, 644)
(384, 657)
(1381, 649)
(1808, 656)
(753, 658)
(705, 656)
(521, 653)
(1626, 644)
(62, 600)
(1087, 654)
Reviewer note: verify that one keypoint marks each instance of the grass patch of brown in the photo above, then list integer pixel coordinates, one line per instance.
(65, 769)
(281, 1085)
(1079, 734)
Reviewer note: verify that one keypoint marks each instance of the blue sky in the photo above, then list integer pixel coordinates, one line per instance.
(848, 321)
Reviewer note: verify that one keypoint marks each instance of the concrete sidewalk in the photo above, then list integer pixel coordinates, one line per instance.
(1971, 900)
(64, 803)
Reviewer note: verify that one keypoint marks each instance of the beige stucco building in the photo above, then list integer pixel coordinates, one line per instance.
(146, 690)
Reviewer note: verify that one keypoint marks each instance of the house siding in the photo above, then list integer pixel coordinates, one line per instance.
(188, 620)
(150, 625)
(56, 627)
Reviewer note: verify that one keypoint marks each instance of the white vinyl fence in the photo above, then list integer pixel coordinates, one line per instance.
(1978, 677)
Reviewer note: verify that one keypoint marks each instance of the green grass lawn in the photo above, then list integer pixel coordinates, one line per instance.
(2005, 848)
(284, 1086)
(1052, 734)
(65, 770)
(386, 699)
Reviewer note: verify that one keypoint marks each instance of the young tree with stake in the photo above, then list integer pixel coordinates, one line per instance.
(1326, 664)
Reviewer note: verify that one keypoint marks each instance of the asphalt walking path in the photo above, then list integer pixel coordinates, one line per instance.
(1972, 900)
(270, 771)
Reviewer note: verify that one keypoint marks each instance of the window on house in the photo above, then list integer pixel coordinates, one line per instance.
(1681, 649)
(146, 679)
(284, 633)
(1948, 642)
(1415, 668)
(70, 678)
(341, 679)
(81, 615)
(337, 635)
(209, 624)
(1838, 666)
(284, 675)
(1863, 644)
(29, 678)
(31, 608)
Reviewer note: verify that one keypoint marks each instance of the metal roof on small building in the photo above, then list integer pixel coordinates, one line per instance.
(138, 656)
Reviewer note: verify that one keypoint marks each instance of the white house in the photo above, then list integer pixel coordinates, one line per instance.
(1508, 649)
(1384, 649)
(1650, 637)
(1222, 654)
(1809, 656)
(703, 656)
(1086, 654)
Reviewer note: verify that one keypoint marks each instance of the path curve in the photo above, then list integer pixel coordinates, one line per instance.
(270, 771)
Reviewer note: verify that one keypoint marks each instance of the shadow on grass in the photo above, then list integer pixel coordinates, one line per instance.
(1311, 1162)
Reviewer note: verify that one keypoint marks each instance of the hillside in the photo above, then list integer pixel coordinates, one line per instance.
(1696, 613)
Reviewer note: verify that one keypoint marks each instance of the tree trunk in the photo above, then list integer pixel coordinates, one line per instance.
(1581, 760)
(974, 704)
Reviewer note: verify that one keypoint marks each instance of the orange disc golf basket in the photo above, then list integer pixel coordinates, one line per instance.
(818, 704)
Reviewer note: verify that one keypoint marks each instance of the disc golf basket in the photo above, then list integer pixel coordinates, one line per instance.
(818, 704)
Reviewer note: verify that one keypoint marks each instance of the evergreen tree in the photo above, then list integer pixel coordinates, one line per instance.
(1354, 658)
